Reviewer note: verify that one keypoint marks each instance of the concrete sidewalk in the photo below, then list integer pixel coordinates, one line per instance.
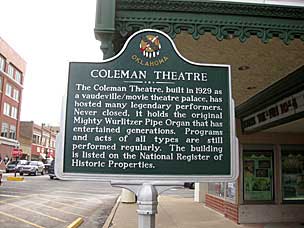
(178, 212)
(175, 212)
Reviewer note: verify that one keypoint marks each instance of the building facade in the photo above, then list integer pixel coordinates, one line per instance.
(12, 70)
(263, 41)
(38, 141)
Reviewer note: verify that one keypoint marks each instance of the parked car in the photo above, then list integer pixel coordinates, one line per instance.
(52, 170)
(32, 167)
(20, 164)
(11, 166)
(190, 185)
(1, 171)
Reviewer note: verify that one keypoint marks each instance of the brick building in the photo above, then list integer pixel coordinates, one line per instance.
(38, 142)
(12, 70)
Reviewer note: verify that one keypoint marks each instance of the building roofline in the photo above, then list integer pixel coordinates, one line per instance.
(15, 53)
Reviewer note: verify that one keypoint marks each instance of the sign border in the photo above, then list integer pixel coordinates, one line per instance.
(234, 154)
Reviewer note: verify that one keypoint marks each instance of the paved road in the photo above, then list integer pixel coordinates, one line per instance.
(44, 203)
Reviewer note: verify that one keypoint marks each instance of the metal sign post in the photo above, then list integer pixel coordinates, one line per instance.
(147, 198)
(150, 117)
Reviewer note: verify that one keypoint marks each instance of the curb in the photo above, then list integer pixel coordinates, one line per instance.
(76, 223)
(15, 178)
(109, 220)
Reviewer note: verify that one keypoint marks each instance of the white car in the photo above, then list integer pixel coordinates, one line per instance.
(20, 164)
(32, 167)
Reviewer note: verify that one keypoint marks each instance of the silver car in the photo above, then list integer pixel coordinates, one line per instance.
(32, 167)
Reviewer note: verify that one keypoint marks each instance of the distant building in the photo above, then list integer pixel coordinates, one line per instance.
(12, 70)
(38, 142)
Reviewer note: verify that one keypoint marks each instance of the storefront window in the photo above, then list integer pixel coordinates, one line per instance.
(293, 174)
(258, 181)
(217, 189)
(221, 188)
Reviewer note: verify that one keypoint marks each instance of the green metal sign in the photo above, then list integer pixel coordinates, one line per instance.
(148, 113)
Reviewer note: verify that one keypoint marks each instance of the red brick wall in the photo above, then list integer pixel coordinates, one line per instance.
(6, 150)
(229, 210)
(12, 56)
(215, 203)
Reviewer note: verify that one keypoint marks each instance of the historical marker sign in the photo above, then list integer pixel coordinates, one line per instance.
(148, 114)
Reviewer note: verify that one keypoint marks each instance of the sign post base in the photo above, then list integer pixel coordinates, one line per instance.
(147, 199)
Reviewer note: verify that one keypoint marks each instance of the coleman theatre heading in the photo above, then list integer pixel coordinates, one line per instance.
(141, 74)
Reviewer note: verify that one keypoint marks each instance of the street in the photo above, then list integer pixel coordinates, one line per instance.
(41, 202)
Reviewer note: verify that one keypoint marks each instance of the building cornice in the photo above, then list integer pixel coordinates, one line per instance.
(9, 142)
(221, 26)
(212, 7)
(116, 20)
(221, 19)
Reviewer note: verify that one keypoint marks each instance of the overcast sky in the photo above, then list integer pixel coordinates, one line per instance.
(48, 34)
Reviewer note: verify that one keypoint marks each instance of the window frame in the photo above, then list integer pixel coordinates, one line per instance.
(36, 139)
(12, 132)
(16, 94)
(6, 109)
(18, 76)
(2, 63)
(4, 126)
(14, 112)
(11, 70)
(8, 90)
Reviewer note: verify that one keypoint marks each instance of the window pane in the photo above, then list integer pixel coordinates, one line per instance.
(293, 175)
(36, 139)
(16, 94)
(10, 71)
(258, 181)
(6, 110)
(14, 112)
(2, 63)
(8, 90)
(231, 190)
(4, 130)
(216, 189)
(12, 133)
(18, 76)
